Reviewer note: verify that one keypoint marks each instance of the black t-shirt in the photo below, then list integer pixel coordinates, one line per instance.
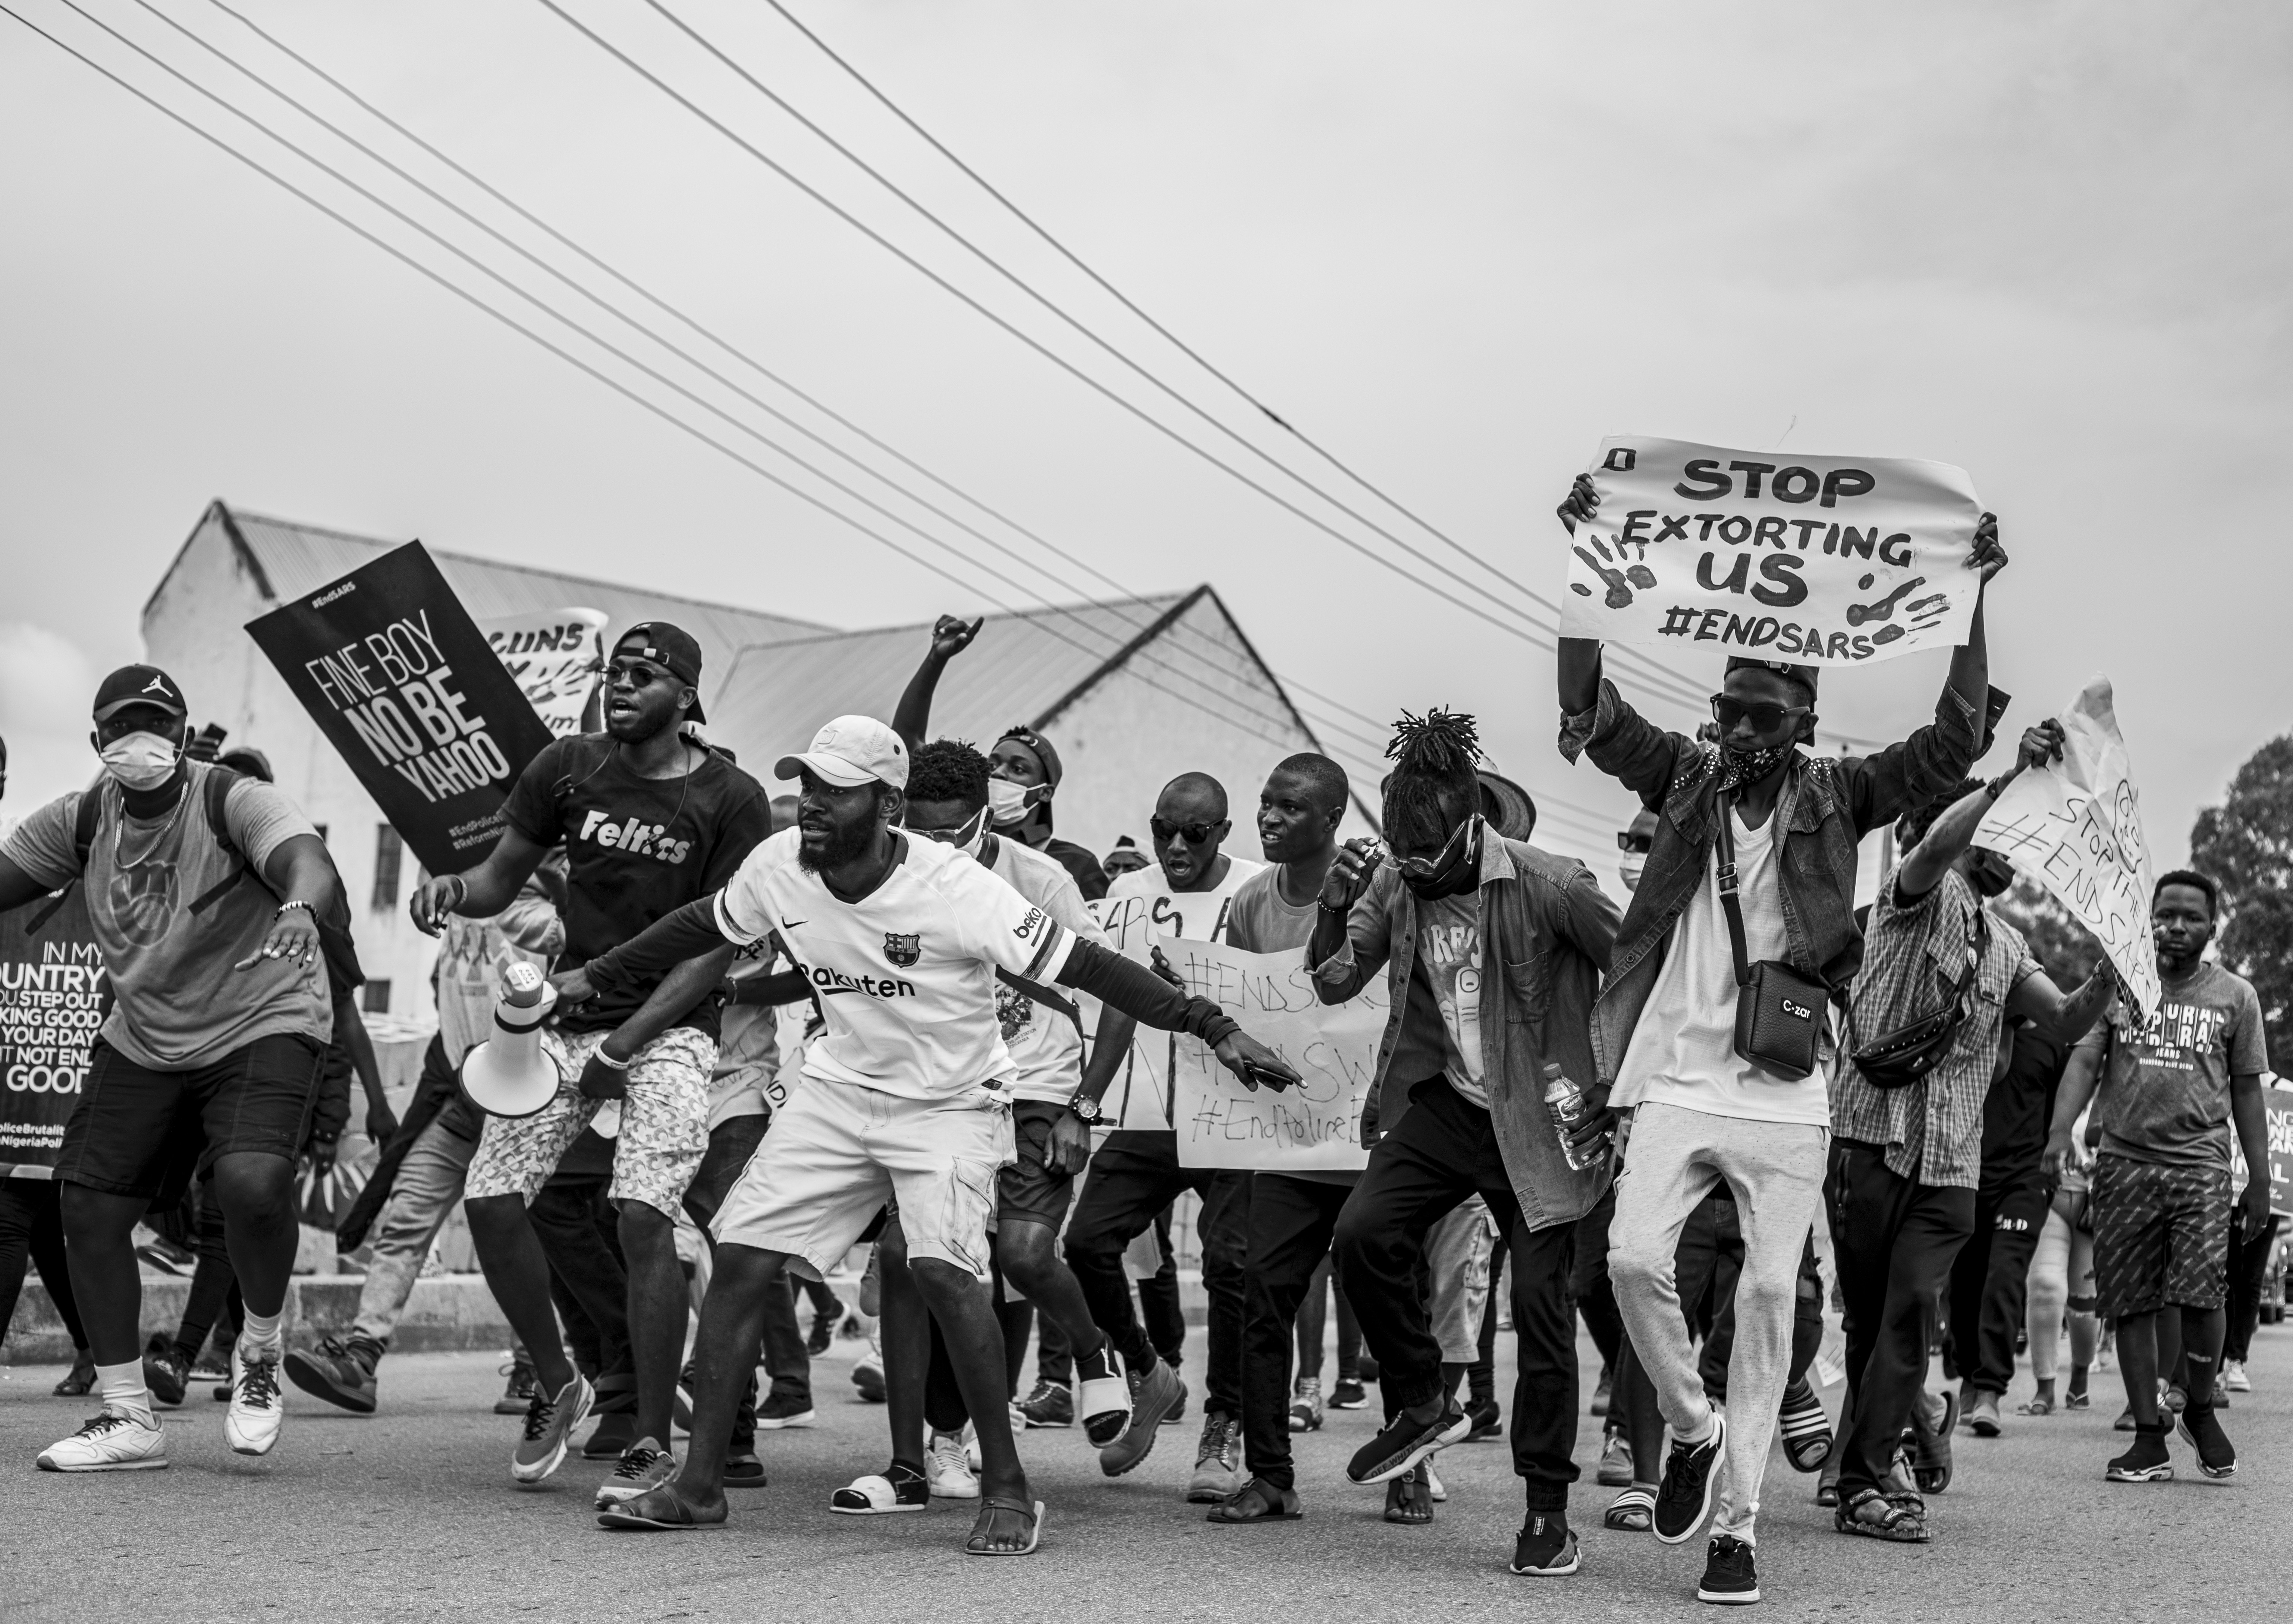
(1090, 876)
(636, 849)
(2021, 1105)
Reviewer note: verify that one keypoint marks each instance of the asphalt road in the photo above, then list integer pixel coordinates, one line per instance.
(409, 1513)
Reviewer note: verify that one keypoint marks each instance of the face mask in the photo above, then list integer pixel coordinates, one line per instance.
(1009, 802)
(1748, 766)
(969, 839)
(1456, 870)
(1629, 871)
(141, 761)
(1990, 883)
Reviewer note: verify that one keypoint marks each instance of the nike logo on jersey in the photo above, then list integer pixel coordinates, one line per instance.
(633, 835)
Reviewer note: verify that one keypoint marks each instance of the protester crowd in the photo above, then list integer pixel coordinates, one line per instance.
(884, 1017)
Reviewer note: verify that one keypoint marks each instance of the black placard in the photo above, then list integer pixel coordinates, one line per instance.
(50, 999)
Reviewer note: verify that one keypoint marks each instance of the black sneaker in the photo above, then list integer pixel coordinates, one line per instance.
(164, 1371)
(519, 1392)
(743, 1470)
(1683, 1500)
(1348, 1395)
(1049, 1405)
(1488, 1419)
(1403, 1443)
(823, 1328)
(779, 1410)
(1728, 1579)
(1544, 1548)
(2146, 1462)
(1604, 1390)
(2201, 1430)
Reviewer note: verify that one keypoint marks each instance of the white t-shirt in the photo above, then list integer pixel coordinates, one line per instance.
(1045, 1044)
(748, 1045)
(906, 975)
(1138, 910)
(1684, 1050)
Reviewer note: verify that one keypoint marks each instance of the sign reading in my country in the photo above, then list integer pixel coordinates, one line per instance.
(1315, 1125)
(404, 684)
(2076, 827)
(556, 658)
(1820, 560)
(51, 1006)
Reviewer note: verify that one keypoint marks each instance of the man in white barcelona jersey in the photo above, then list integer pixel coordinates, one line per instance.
(907, 1092)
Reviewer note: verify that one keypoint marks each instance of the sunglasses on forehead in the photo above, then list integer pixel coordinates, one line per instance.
(1765, 718)
(1193, 834)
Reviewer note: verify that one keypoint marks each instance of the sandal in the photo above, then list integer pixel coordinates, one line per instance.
(1409, 1499)
(981, 1532)
(1257, 1502)
(1633, 1512)
(1930, 1455)
(657, 1510)
(2035, 1406)
(900, 1487)
(1879, 1516)
(1805, 1428)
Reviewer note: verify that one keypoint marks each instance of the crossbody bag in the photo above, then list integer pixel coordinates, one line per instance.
(1900, 1058)
(1779, 1012)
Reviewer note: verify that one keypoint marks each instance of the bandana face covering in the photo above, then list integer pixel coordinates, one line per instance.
(1739, 767)
(1456, 870)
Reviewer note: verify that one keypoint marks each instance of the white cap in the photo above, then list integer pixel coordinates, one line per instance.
(851, 751)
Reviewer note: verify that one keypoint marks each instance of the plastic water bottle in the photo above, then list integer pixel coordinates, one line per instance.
(1566, 1101)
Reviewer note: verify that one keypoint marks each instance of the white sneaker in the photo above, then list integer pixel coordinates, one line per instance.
(946, 1470)
(111, 1441)
(1432, 1483)
(971, 1445)
(2234, 1376)
(251, 1424)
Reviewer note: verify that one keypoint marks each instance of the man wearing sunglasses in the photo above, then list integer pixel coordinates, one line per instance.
(1664, 1029)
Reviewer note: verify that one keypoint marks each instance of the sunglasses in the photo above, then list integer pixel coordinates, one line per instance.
(1423, 868)
(1765, 718)
(1193, 834)
(961, 834)
(1626, 841)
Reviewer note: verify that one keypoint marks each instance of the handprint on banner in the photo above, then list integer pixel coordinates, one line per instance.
(1620, 594)
(1920, 613)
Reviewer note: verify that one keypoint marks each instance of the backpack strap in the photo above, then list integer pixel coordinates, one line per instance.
(215, 791)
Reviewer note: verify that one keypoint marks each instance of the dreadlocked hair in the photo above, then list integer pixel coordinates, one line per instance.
(1432, 776)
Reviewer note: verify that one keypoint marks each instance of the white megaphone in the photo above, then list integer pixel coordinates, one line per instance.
(511, 1076)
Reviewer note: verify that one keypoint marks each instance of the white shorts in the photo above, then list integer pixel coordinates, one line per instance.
(837, 1151)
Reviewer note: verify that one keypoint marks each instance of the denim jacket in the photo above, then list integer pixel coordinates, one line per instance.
(1827, 805)
(1546, 929)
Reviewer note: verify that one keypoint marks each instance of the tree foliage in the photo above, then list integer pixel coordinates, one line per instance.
(2247, 845)
(2058, 942)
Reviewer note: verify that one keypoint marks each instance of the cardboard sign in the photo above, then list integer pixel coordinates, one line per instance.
(1314, 1127)
(1818, 561)
(403, 683)
(51, 994)
(2277, 1106)
(556, 658)
(2076, 827)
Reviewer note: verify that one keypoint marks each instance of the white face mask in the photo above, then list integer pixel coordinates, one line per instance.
(1009, 802)
(141, 761)
(1630, 870)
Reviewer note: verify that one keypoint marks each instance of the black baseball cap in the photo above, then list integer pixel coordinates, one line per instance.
(138, 685)
(1803, 674)
(669, 645)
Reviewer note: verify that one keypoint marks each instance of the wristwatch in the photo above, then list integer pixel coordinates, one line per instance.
(1086, 1110)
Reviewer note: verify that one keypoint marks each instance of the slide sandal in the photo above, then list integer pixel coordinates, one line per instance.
(1633, 1512)
(1104, 1405)
(877, 1495)
(976, 1545)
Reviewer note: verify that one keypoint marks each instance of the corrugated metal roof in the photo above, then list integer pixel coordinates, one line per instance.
(297, 558)
(1021, 666)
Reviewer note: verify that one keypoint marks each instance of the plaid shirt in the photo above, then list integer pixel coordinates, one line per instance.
(1912, 957)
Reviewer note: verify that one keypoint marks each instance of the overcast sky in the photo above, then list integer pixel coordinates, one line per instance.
(1457, 244)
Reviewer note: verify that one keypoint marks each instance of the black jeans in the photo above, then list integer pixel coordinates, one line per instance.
(1133, 1177)
(580, 1236)
(2248, 1261)
(1588, 1279)
(1989, 1282)
(1895, 1240)
(31, 1230)
(1444, 1150)
(1292, 1221)
(731, 1143)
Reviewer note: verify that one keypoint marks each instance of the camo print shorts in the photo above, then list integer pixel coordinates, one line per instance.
(2160, 1236)
(662, 1135)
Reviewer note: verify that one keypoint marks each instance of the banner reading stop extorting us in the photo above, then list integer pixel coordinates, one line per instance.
(50, 1002)
(1822, 560)
(403, 683)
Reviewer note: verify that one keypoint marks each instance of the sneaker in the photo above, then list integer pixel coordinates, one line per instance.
(2201, 1430)
(517, 1393)
(110, 1443)
(1488, 1419)
(1982, 1415)
(778, 1410)
(1049, 1405)
(550, 1423)
(1436, 1490)
(2221, 1394)
(79, 1381)
(339, 1371)
(1348, 1395)
(164, 1372)
(1218, 1461)
(946, 1471)
(644, 1464)
(610, 1438)
(1403, 1443)
(1544, 1548)
(1616, 1462)
(251, 1424)
(743, 1470)
(1305, 1404)
(1154, 1394)
(1604, 1390)
(2146, 1462)
(1728, 1579)
(2172, 1399)
(868, 1372)
(2234, 1376)
(164, 1256)
(823, 1328)
(1683, 1500)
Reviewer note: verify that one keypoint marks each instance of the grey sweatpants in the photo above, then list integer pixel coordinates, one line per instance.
(422, 1198)
(1671, 1160)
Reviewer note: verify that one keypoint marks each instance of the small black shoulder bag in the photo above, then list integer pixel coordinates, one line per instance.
(1779, 1012)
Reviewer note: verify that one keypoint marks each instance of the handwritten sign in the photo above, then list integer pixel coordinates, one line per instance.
(1820, 561)
(2277, 1107)
(402, 683)
(2076, 827)
(1316, 1125)
(555, 657)
(51, 997)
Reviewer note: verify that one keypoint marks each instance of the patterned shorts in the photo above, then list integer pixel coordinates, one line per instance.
(664, 1130)
(2160, 1236)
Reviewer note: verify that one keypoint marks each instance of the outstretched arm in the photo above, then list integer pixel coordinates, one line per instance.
(689, 932)
(951, 635)
(479, 893)
(1147, 999)
(1948, 835)
(2067, 1015)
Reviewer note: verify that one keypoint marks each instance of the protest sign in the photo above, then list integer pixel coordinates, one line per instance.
(403, 683)
(51, 992)
(1316, 1125)
(555, 656)
(2076, 827)
(1818, 561)
(2277, 1108)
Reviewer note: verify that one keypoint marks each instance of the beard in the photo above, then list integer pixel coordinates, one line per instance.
(847, 844)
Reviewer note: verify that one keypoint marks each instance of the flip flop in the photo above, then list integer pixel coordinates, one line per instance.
(1256, 1502)
(1633, 1512)
(977, 1546)
(2035, 1406)
(657, 1510)
(877, 1495)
